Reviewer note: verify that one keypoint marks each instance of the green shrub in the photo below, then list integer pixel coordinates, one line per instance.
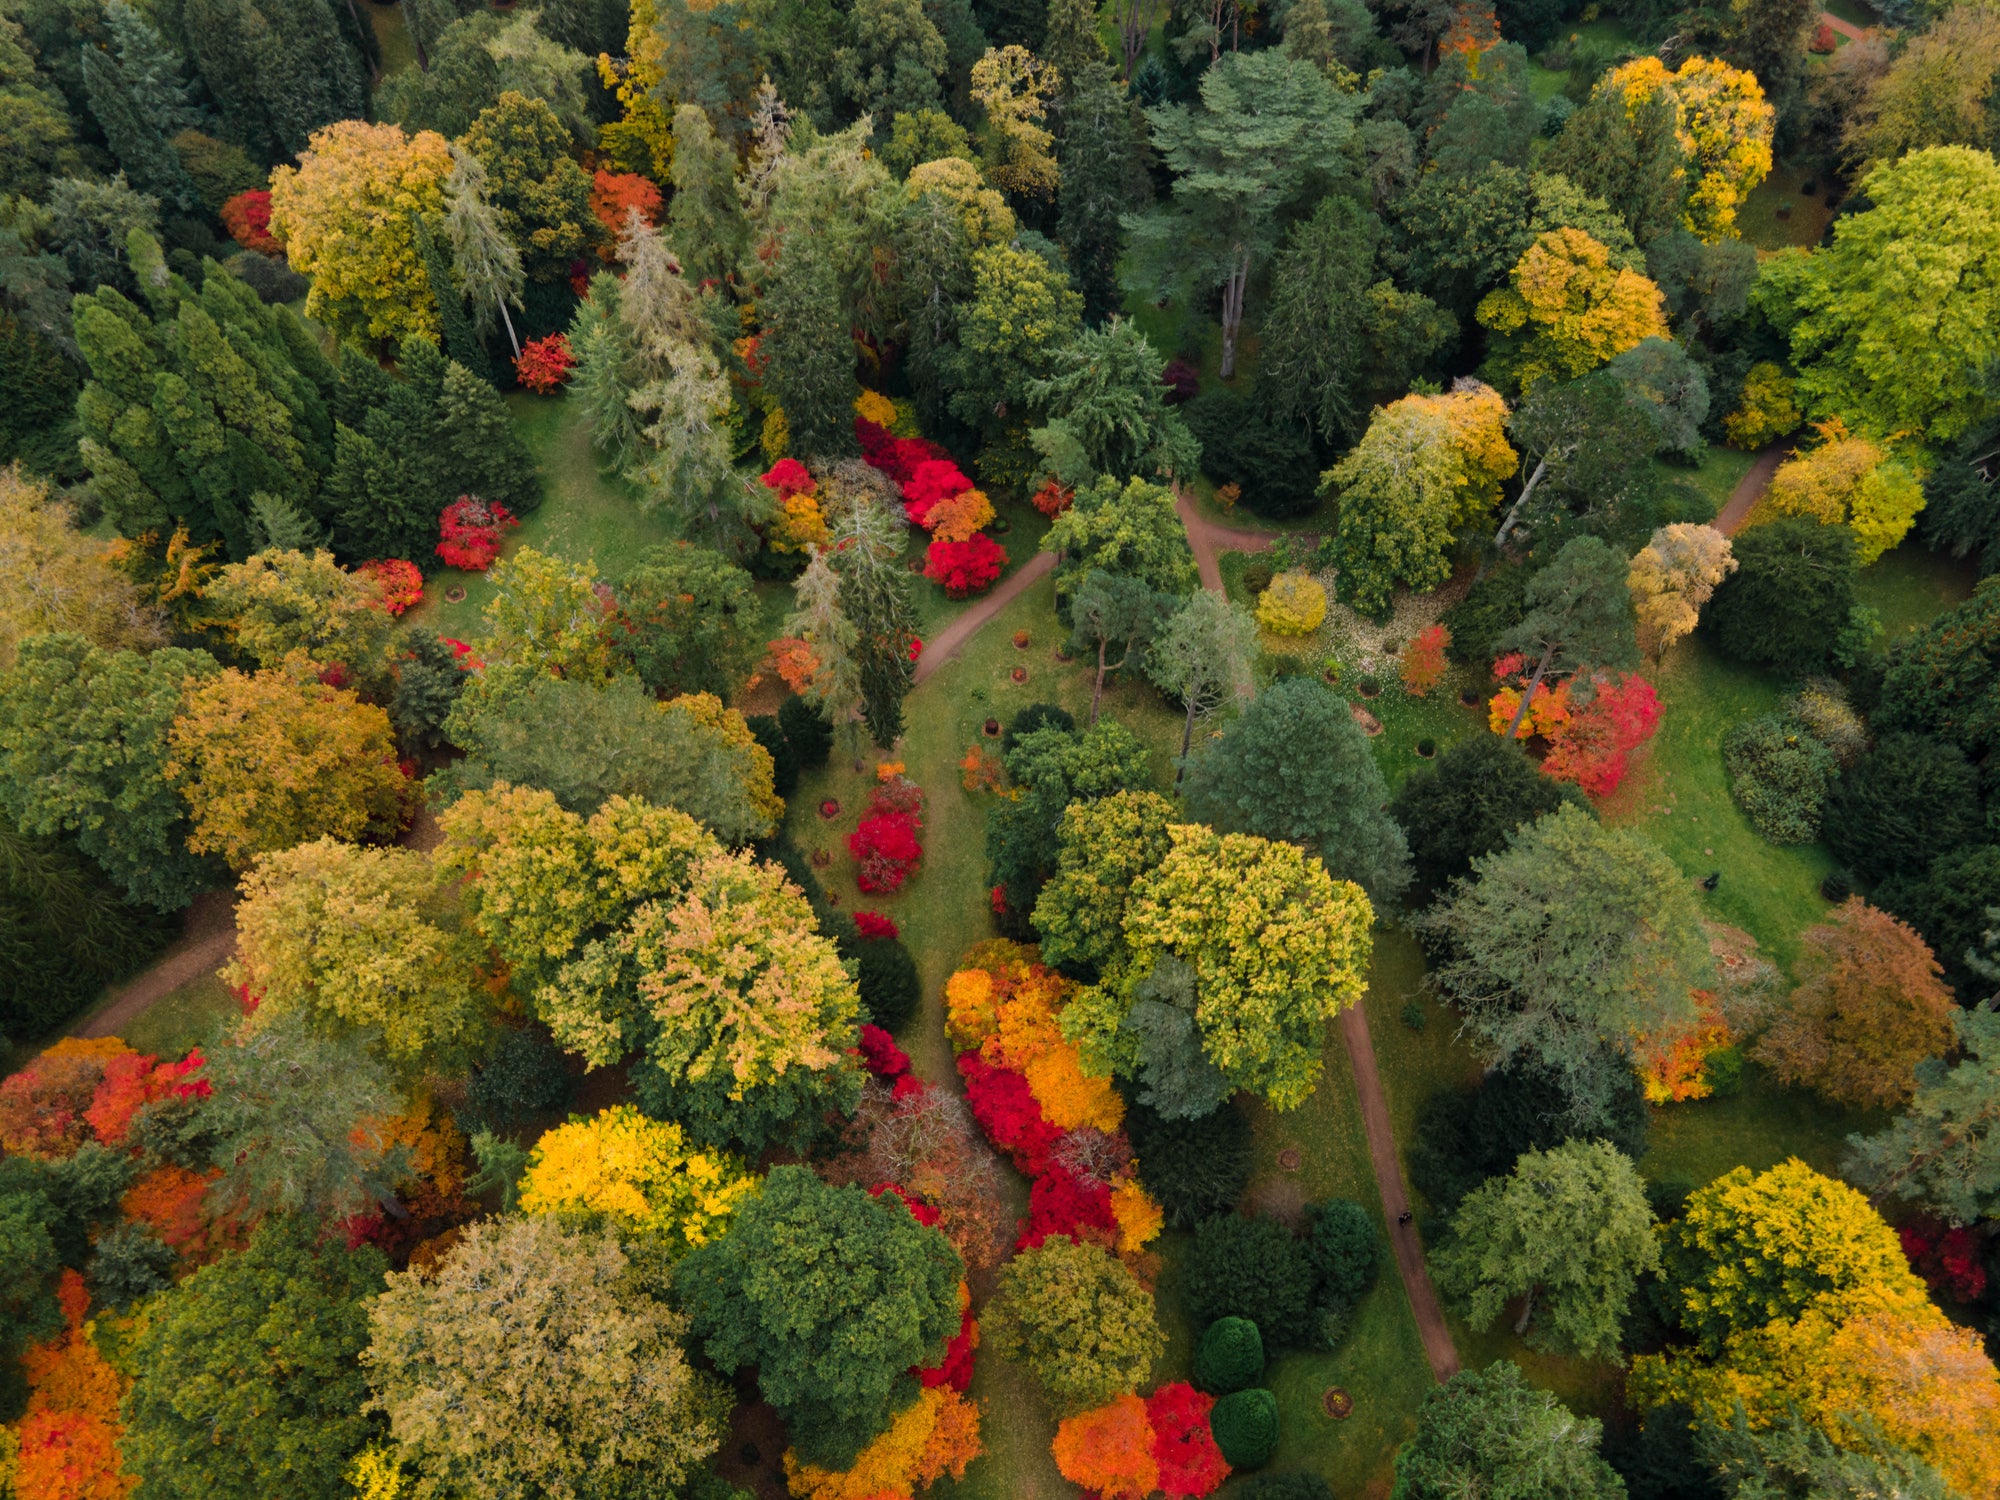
(523, 1075)
(1790, 596)
(784, 759)
(1779, 774)
(1345, 1248)
(1257, 577)
(1296, 1485)
(1491, 607)
(1255, 1269)
(1230, 1357)
(1245, 1424)
(1909, 800)
(1028, 720)
(807, 731)
(1948, 905)
(886, 975)
(1193, 1168)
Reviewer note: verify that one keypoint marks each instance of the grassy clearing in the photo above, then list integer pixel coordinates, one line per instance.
(1804, 219)
(392, 35)
(1911, 586)
(1717, 474)
(179, 1020)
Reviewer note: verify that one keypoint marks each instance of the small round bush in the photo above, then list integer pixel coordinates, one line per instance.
(1255, 1269)
(1779, 774)
(523, 1075)
(1837, 886)
(1036, 716)
(1789, 597)
(1345, 1248)
(886, 975)
(1245, 1424)
(1257, 577)
(1293, 605)
(1193, 1168)
(1904, 803)
(1230, 1357)
(807, 730)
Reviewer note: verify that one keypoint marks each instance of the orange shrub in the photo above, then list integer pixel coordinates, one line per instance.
(1109, 1450)
(1424, 661)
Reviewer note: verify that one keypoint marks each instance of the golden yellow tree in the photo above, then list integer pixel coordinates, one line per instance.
(1014, 87)
(1566, 310)
(1724, 125)
(347, 214)
(644, 1174)
(1672, 577)
(642, 138)
(54, 578)
(1848, 480)
(983, 212)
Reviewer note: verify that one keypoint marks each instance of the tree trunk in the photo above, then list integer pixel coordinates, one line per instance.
(1527, 1312)
(1097, 689)
(374, 70)
(1520, 500)
(502, 300)
(1232, 310)
(1529, 696)
(1187, 739)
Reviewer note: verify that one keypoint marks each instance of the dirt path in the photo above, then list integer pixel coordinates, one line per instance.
(944, 646)
(207, 941)
(1752, 485)
(1844, 28)
(1208, 541)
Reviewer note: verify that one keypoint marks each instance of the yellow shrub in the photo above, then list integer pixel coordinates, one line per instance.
(1293, 605)
(775, 438)
(873, 406)
(640, 1171)
(1139, 1217)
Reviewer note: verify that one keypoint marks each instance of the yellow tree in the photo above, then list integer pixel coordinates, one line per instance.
(1848, 480)
(347, 214)
(273, 759)
(1567, 309)
(983, 212)
(285, 601)
(1672, 577)
(1724, 126)
(642, 1174)
(1014, 87)
(642, 138)
(54, 578)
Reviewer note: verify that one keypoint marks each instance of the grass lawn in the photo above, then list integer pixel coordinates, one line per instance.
(1852, 12)
(177, 1021)
(1718, 473)
(1758, 219)
(392, 35)
(1911, 586)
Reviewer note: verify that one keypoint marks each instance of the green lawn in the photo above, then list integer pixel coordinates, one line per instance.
(1911, 586)
(392, 35)
(1758, 221)
(179, 1020)
(1717, 475)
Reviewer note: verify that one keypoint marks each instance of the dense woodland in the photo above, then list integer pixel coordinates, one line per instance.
(745, 747)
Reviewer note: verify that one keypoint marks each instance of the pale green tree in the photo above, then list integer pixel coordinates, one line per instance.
(1108, 411)
(1199, 657)
(484, 260)
(686, 471)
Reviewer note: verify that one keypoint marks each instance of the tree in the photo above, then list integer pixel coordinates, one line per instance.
(833, 682)
(84, 745)
(1672, 577)
(1488, 1432)
(640, 1175)
(1052, 767)
(546, 617)
(1255, 1269)
(1849, 481)
(1296, 766)
(1013, 88)
(894, 61)
(588, 744)
(272, 759)
(1940, 679)
(1791, 595)
(1573, 938)
(705, 222)
(1078, 1319)
(1278, 948)
(1267, 133)
(1579, 615)
(1722, 124)
(132, 131)
(484, 261)
(1108, 410)
(834, 1296)
(54, 579)
(1934, 92)
(286, 601)
(1426, 467)
(1316, 333)
(1665, 387)
(1888, 323)
(689, 620)
(1199, 656)
(875, 598)
(1109, 610)
(278, 70)
(1106, 844)
(346, 215)
(1569, 1227)
(1129, 530)
(1101, 155)
(362, 940)
(1793, 1460)
(247, 1380)
(1902, 805)
(1021, 315)
(684, 415)
(1947, 903)
(1567, 309)
(1943, 1152)
(1468, 804)
(808, 344)
(527, 1364)
(541, 195)
(1869, 1006)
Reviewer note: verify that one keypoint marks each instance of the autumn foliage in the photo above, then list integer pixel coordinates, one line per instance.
(1110, 1450)
(965, 568)
(1424, 665)
(471, 532)
(937, 1434)
(544, 363)
(886, 845)
(247, 217)
(69, 1434)
(613, 196)
(1184, 1449)
(1590, 740)
(401, 583)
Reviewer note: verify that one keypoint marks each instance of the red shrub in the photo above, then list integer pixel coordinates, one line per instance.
(956, 1370)
(471, 530)
(874, 926)
(1061, 1203)
(1006, 1110)
(1052, 499)
(887, 849)
(880, 1055)
(1423, 659)
(788, 477)
(897, 457)
(1947, 1259)
(924, 1213)
(544, 364)
(613, 196)
(401, 583)
(1190, 1463)
(932, 480)
(1594, 747)
(1822, 40)
(130, 1083)
(247, 217)
(965, 568)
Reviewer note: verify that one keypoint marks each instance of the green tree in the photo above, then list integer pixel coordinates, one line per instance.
(834, 1296)
(686, 467)
(1568, 1229)
(1942, 677)
(1278, 948)
(1162, 1036)
(1469, 803)
(1315, 333)
(1199, 656)
(83, 752)
(1129, 530)
(1936, 91)
(247, 1374)
(535, 186)
(1909, 801)
(1101, 155)
(1793, 1460)
(1270, 130)
(527, 1364)
(1078, 1319)
(875, 598)
(1572, 938)
(1579, 615)
(705, 222)
(1051, 768)
(1892, 322)
(1791, 595)
(277, 69)
(691, 620)
(1296, 766)
(1104, 845)
(485, 262)
(809, 347)
(37, 132)
(1943, 1152)
(283, 602)
(134, 134)
(1487, 1432)
(1108, 411)
(1109, 610)
(1628, 156)
(1022, 313)
(893, 60)
(455, 327)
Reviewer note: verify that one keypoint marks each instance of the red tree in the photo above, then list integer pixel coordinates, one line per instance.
(1594, 748)
(1423, 659)
(613, 196)
(471, 529)
(247, 217)
(544, 364)
(965, 568)
(1183, 1447)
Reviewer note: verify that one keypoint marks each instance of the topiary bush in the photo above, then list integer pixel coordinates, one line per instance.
(1245, 1425)
(1779, 774)
(523, 1075)
(1909, 800)
(886, 975)
(1194, 1168)
(1230, 1357)
(807, 731)
(1345, 1248)
(1255, 1269)
(1294, 604)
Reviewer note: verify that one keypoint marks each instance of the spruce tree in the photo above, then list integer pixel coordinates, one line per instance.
(460, 343)
(811, 353)
(1103, 178)
(487, 455)
(705, 223)
(133, 133)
